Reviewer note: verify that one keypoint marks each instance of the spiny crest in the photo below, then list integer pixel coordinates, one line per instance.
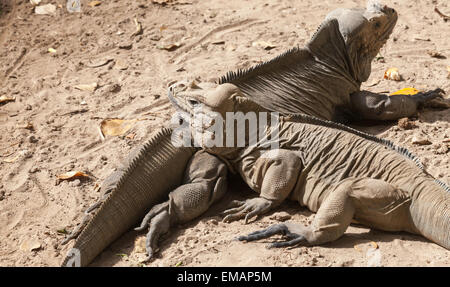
(443, 185)
(401, 150)
(232, 76)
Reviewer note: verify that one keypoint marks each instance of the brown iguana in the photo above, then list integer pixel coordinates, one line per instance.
(334, 170)
(323, 79)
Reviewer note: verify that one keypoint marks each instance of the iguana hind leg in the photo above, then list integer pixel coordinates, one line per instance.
(204, 183)
(373, 106)
(372, 202)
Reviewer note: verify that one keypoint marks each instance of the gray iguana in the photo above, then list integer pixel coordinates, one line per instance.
(323, 79)
(334, 170)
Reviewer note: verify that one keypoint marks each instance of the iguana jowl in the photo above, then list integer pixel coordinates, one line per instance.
(336, 171)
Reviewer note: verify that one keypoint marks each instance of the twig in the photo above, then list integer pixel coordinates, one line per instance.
(445, 17)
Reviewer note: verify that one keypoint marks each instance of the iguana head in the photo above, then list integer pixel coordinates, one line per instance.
(364, 33)
(205, 107)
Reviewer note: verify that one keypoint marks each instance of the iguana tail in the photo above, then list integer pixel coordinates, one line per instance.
(430, 212)
(146, 180)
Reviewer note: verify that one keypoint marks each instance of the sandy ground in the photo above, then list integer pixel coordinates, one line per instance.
(52, 127)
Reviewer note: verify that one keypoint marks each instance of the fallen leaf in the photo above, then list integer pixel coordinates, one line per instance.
(45, 9)
(420, 141)
(30, 245)
(179, 264)
(5, 99)
(12, 159)
(436, 54)
(115, 127)
(35, 2)
(406, 91)
(392, 74)
(87, 87)
(264, 45)
(51, 50)
(121, 64)
(72, 175)
(94, 3)
(26, 125)
(374, 244)
(98, 63)
(138, 28)
(62, 231)
(170, 47)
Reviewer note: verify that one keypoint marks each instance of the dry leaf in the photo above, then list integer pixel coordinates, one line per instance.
(121, 64)
(30, 245)
(115, 127)
(420, 141)
(406, 91)
(51, 50)
(72, 175)
(98, 63)
(94, 3)
(392, 74)
(264, 45)
(12, 159)
(45, 9)
(26, 125)
(170, 47)
(5, 99)
(87, 87)
(35, 2)
(436, 54)
(138, 28)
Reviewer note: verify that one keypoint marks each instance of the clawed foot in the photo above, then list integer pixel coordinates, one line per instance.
(248, 208)
(159, 221)
(288, 230)
(424, 97)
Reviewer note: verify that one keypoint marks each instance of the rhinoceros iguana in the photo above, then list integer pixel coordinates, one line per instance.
(334, 170)
(329, 72)
(323, 79)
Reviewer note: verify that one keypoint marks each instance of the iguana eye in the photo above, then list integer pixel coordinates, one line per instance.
(193, 102)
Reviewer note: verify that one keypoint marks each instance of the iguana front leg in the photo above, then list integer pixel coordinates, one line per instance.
(203, 184)
(373, 202)
(274, 175)
(373, 106)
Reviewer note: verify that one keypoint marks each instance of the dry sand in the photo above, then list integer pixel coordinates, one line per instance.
(215, 36)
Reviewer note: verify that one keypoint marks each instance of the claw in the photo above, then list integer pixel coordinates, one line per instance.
(292, 242)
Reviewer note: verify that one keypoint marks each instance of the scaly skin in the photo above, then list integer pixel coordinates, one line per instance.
(333, 170)
(323, 79)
